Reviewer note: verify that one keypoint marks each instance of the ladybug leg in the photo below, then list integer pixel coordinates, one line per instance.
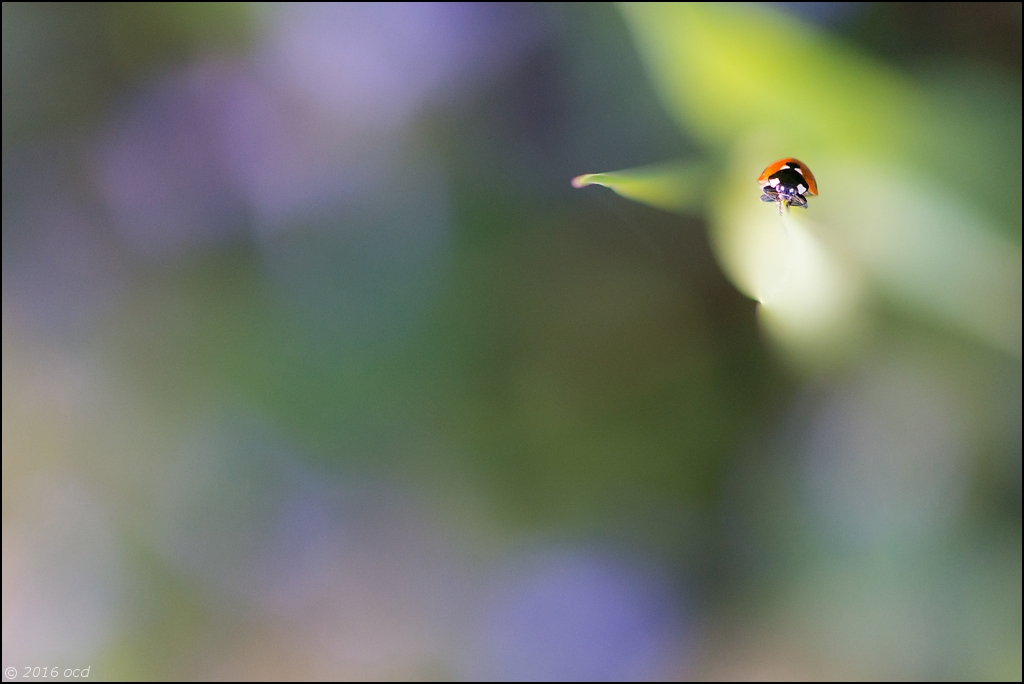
(799, 201)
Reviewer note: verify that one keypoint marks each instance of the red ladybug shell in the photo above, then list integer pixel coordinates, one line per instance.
(794, 164)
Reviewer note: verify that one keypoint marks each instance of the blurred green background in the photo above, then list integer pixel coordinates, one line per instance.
(315, 365)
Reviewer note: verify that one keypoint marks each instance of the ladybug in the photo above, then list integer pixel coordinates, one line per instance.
(786, 182)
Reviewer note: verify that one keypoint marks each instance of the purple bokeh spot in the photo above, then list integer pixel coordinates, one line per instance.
(579, 618)
(377, 64)
(161, 168)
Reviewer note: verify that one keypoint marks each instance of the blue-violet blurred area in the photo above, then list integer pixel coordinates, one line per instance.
(315, 365)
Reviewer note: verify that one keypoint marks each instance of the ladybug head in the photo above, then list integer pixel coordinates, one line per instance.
(784, 195)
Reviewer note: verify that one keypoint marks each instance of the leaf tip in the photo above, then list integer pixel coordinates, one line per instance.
(583, 180)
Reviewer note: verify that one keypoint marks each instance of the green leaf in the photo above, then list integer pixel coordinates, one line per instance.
(677, 187)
